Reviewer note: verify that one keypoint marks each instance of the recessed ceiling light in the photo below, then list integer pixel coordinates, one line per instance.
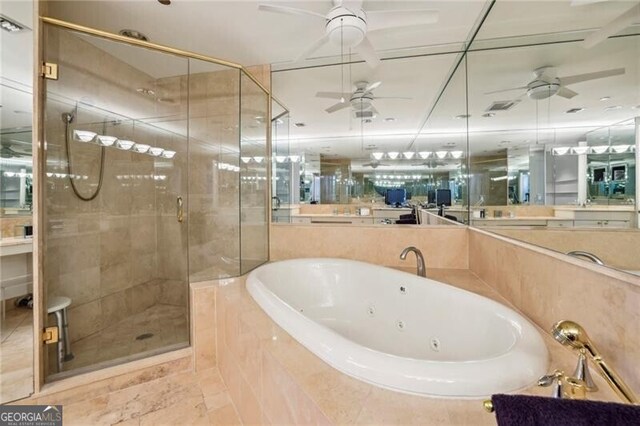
(299, 124)
(613, 107)
(11, 25)
(134, 34)
(574, 110)
(390, 119)
(605, 98)
(461, 116)
(489, 114)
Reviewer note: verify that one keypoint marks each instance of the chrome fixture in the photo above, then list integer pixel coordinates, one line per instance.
(592, 257)
(583, 373)
(422, 271)
(571, 334)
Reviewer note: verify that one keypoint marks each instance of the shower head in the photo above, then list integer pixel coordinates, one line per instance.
(571, 334)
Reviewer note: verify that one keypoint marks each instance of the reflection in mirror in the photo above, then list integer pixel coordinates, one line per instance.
(358, 149)
(553, 130)
(16, 178)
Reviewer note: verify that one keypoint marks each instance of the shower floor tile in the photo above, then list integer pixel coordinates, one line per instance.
(156, 328)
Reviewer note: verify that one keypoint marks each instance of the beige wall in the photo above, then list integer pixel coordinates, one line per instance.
(617, 248)
(442, 246)
(548, 287)
(12, 226)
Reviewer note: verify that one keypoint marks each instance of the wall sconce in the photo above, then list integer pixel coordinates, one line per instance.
(83, 136)
(424, 155)
(408, 155)
(441, 154)
(393, 155)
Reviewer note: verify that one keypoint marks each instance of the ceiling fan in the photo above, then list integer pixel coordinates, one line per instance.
(361, 100)
(626, 19)
(374, 164)
(546, 83)
(347, 25)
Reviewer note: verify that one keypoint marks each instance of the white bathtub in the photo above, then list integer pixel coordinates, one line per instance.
(399, 331)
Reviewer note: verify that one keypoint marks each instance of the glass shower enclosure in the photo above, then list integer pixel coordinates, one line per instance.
(144, 190)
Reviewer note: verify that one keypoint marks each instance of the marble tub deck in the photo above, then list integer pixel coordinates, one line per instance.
(266, 377)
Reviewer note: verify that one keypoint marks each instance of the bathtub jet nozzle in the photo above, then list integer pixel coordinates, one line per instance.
(573, 335)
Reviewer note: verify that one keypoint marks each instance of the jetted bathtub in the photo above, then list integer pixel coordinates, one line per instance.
(400, 331)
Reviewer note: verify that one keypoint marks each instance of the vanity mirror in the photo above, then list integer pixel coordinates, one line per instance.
(553, 130)
(16, 178)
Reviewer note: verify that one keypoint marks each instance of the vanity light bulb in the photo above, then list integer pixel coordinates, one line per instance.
(155, 151)
(408, 155)
(125, 144)
(280, 158)
(580, 149)
(456, 154)
(424, 154)
(561, 150)
(601, 149)
(441, 154)
(83, 135)
(141, 148)
(168, 154)
(245, 160)
(619, 149)
(258, 159)
(378, 155)
(393, 155)
(294, 158)
(104, 140)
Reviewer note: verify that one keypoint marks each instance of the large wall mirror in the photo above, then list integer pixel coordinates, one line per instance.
(534, 135)
(553, 130)
(16, 177)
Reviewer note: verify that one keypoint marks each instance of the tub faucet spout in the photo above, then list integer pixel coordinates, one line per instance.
(422, 271)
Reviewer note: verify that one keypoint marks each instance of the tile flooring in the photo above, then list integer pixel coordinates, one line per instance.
(167, 325)
(16, 354)
(183, 398)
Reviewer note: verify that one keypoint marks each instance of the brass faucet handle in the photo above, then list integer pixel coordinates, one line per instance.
(549, 379)
(574, 388)
(563, 385)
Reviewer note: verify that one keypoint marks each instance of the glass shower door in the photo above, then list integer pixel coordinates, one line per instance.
(115, 202)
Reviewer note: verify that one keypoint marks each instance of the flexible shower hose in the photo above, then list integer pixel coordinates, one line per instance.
(68, 118)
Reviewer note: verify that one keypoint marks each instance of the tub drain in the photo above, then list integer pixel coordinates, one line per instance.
(144, 336)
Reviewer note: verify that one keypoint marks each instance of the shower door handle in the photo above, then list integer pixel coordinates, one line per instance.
(179, 209)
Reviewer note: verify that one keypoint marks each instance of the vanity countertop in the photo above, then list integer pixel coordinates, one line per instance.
(596, 208)
(15, 245)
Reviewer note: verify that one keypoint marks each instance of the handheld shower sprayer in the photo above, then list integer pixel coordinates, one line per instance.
(571, 334)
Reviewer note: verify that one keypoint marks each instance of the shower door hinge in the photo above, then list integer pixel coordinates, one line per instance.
(50, 71)
(50, 335)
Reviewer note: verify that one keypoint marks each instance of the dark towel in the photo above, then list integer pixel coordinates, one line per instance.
(523, 410)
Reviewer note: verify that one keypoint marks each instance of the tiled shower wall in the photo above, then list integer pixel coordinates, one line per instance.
(110, 255)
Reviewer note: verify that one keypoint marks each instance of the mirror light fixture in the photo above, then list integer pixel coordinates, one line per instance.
(281, 158)
(258, 159)
(245, 160)
(441, 154)
(83, 135)
(456, 154)
(294, 158)
(408, 154)
(125, 144)
(393, 155)
(377, 155)
(424, 154)
(580, 150)
(168, 154)
(155, 151)
(600, 149)
(561, 150)
(104, 140)
(141, 148)
(619, 149)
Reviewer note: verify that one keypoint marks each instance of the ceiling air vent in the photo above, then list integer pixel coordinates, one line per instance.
(364, 114)
(502, 105)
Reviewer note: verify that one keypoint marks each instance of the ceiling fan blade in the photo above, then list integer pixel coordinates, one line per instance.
(384, 19)
(338, 107)
(612, 28)
(372, 86)
(312, 48)
(392, 97)
(368, 53)
(288, 10)
(566, 93)
(506, 90)
(579, 78)
(373, 110)
(333, 95)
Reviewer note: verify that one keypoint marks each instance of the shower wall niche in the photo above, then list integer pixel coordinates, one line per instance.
(144, 190)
